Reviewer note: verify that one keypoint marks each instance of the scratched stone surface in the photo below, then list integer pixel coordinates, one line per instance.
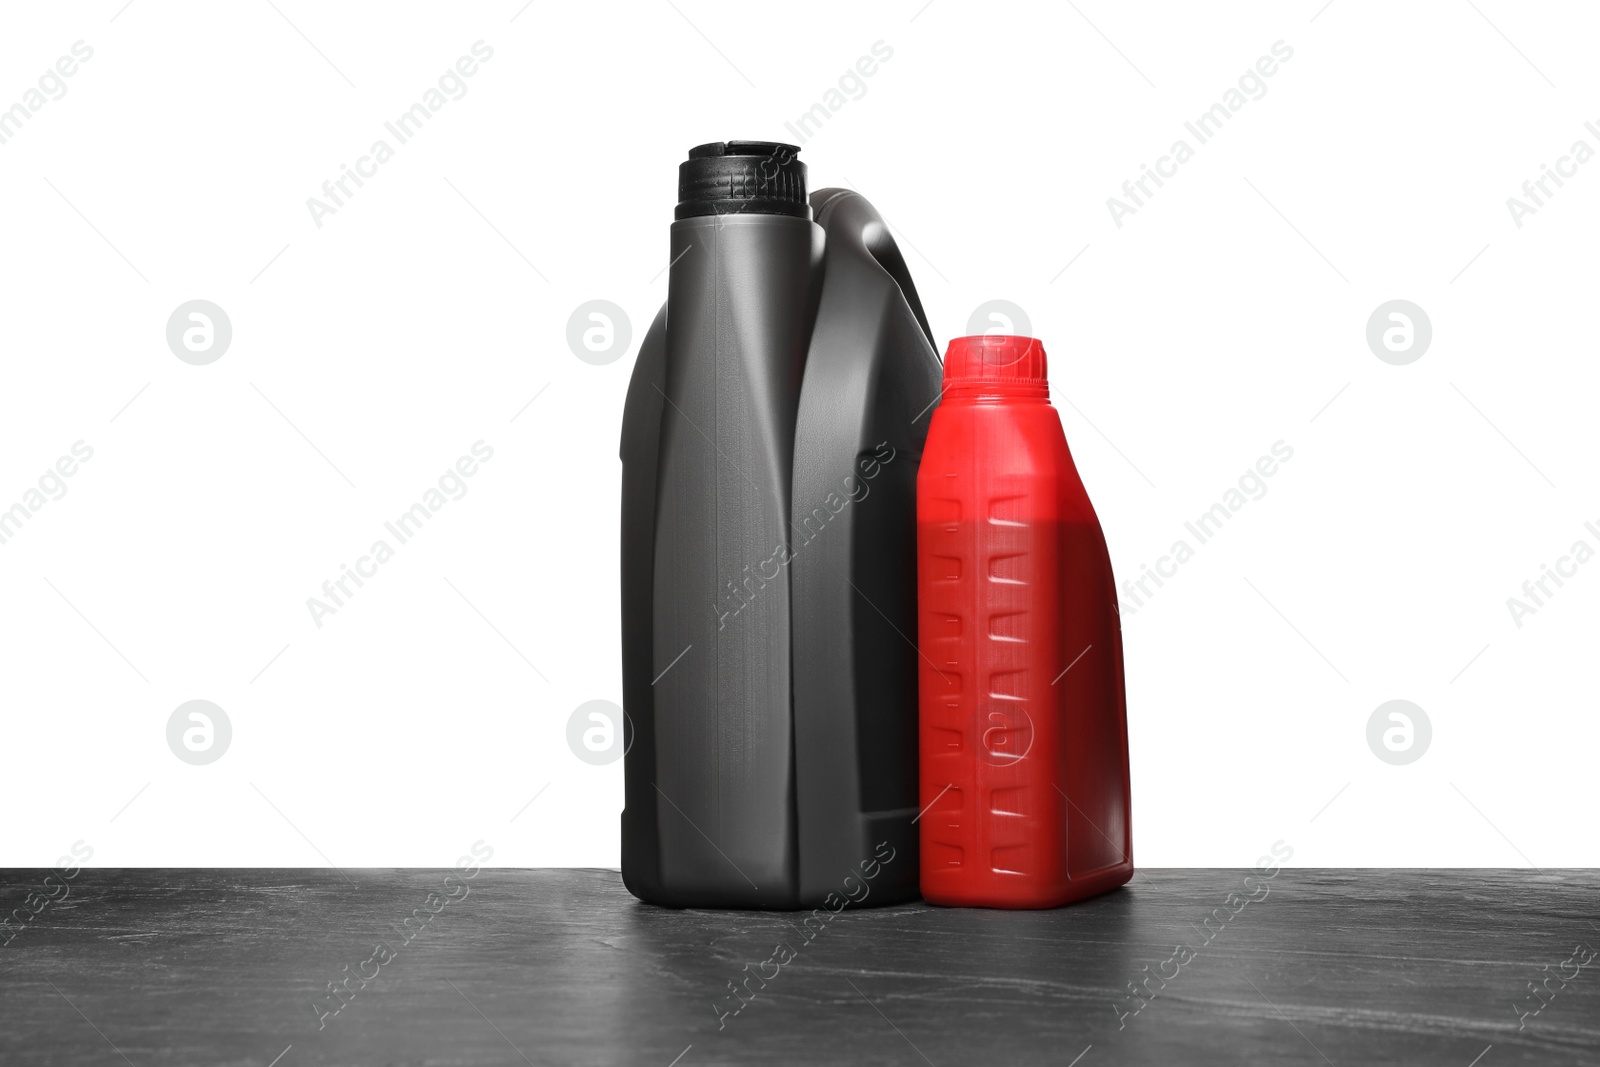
(233, 967)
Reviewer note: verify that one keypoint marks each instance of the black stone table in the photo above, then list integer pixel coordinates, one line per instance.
(233, 967)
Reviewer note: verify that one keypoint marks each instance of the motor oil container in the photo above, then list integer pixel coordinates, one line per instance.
(1024, 744)
(770, 442)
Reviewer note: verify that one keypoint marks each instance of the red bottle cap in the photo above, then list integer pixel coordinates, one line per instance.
(997, 360)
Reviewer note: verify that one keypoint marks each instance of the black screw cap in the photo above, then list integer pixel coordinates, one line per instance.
(742, 177)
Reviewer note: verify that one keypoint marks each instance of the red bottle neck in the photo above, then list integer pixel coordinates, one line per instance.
(995, 392)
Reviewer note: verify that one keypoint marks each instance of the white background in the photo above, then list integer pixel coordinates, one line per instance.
(1227, 314)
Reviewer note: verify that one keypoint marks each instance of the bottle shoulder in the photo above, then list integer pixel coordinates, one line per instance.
(1013, 438)
(977, 454)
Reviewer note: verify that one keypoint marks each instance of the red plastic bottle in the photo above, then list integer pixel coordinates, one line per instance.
(1023, 731)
